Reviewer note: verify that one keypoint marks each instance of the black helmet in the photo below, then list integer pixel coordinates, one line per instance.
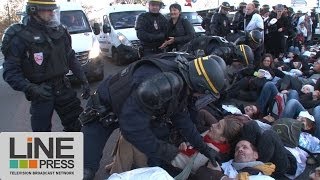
(255, 39)
(244, 54)
(225, 5)
(242, 4)
(207, 74)
(265, 6)
(256, 3)
(33, 6)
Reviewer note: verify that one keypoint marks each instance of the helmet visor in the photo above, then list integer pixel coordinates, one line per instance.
(50, 16)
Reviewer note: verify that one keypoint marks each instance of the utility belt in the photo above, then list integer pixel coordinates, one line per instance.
(58, 82)
(97, 112)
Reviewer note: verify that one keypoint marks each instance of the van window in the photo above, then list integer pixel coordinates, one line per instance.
(126, 19)
(193, 17)
(75, 21)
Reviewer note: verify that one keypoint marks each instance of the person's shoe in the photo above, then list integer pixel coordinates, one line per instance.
(88, 174)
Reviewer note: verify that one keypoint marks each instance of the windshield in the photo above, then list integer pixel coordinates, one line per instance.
(75, 21)
(193, 17)
(127, 19)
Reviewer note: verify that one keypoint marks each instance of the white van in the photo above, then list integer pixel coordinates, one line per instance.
(84, 41)
(189, 13)
(119, 38)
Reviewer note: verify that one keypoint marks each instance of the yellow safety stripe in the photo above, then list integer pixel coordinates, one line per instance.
(244, 52)
(207, 77)
(197, 66)
(46, 3)
(253, 38)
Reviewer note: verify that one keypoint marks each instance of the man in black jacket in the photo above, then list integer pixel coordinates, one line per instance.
(220, 24)
(151, 28)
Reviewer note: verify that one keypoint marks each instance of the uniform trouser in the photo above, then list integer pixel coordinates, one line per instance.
(95, 138)
(67, 106)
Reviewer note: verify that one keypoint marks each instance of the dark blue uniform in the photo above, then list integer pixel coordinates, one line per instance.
(135, 125)
(151, 31)
(37, 55)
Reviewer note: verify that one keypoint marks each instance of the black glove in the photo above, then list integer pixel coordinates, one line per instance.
(37, 92)
(85, 90)
(211, 154)
(167, 151)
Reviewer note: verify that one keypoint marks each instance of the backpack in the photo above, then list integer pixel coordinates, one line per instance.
(278, 105)
(288, 130)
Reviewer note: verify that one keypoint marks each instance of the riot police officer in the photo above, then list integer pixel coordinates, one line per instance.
(153, 88)
(220, 24)
(221, 47)
(238, 19)
(151, 28)
(37, 55)
(254, 39)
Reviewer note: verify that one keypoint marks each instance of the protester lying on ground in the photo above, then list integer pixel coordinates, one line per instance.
(270, 149)
(219, 137)
(295, 110)
(245, 163)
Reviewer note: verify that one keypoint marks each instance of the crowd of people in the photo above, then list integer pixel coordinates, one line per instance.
(275, 74)
(178, 106)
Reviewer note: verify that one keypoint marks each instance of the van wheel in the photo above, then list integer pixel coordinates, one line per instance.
(115, 57)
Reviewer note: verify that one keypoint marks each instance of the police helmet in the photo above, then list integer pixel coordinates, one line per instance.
(255, 39)
(265, 6)
(244, 54)
(157, 1)
(33, 6)
(256, 3)
(242, 4)
(225, 5)
(207, 74)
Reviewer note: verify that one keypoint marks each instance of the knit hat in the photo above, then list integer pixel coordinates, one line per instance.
(311, 88)
(306, 114)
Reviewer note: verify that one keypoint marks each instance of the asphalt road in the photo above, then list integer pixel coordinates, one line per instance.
(15, 117)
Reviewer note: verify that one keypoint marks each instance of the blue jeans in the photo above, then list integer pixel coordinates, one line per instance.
(269, 91)
(95, 137)
(316, 115)
(294, 107)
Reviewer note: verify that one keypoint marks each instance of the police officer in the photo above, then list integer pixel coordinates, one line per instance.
(156, 87)
(206, 21)
(238, 19)
(220, 24)
(37, 55)
(254, 39)
(221, 47)
(256, 5)
(151, 28)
